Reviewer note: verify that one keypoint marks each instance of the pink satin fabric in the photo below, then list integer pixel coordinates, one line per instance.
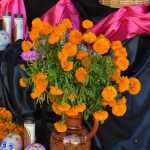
(125, 23)
(62, 9)
(15, 7)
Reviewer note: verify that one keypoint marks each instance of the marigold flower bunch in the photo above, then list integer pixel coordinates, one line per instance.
(76, 73)
(6, 124)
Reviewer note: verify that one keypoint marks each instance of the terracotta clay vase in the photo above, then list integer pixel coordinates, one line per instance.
(76, 137)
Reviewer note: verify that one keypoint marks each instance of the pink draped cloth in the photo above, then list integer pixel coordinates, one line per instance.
(62, 9)
(15, 7)
(125, 23)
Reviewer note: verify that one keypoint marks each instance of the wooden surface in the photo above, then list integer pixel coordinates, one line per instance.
(120, 3)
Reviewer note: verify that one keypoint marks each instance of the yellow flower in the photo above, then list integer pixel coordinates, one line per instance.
(87, 24)
(81, 55)
(75, 36)
(135, 86)
(101, 46)
(54, 90)
(60, 127)
(23, 82)
(122, 63)
(81, 75)
(109, 93)
(119, 110)
(67, 65)
(26, 46)
(89, 37)
(123, 84)
(101, 115)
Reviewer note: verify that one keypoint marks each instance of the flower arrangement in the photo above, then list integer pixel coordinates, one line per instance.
(6, 124)
(76, 73)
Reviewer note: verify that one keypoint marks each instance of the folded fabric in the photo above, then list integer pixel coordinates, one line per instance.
(125, 23)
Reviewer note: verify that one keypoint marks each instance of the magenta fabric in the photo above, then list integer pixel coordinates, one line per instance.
(125, 23)
(63, 9)
(15, 7)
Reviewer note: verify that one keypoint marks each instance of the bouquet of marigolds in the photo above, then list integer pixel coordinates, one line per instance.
(6, 124)
(76, 73)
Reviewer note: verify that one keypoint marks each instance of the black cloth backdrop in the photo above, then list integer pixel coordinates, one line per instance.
(128, 133)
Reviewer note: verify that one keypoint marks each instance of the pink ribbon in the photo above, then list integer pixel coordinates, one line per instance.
(125, 23)
(62, 9)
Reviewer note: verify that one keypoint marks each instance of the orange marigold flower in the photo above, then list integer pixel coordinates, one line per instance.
(72, 112)
(67, 65)
(34, 34)
(75, 36)
(122, 100)
(100, 115)
(26, 46)
(69, 49)
(122, 63)
(116, 75)
(89, 37)
(55, 109)
(39, 76)
(80, 107)
(35, 94)
(46, 28)
(116, 45)
(23, 82)
(37, 23)
(60, 127)
(122, 52)
(53, 39)
(62, 56)
(101, 46)
(119, 110)
(109, 93)
(81, 55)
(72, 97)
(54, 90)
(67, 22)
(135, 86)
(87, 24)
(81, 75)
(63, 107)
(123, 84)
(110, 102)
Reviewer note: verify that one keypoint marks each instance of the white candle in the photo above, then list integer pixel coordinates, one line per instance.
(30, 127)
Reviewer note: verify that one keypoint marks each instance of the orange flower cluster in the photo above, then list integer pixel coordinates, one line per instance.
(40, 81)
(81, 75)
(69, 50)
(26, 46)
(6, 125)
(120, 55)
(89, 37)
(5, 114)
(102, 45)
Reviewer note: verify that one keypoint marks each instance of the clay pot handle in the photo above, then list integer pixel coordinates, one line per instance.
(93, 131)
